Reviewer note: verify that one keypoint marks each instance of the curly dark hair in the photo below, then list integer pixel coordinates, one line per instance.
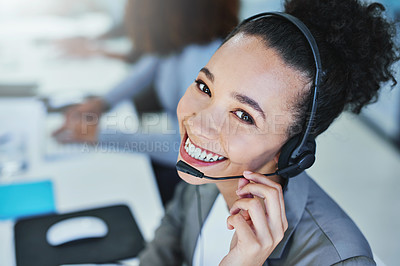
(166, 26)
(357, 49)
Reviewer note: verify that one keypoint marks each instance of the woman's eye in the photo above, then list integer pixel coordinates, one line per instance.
(244, 116)
(203, 87)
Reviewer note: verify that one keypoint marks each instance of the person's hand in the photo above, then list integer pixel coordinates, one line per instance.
(78, 47)
(81, 122)
(259, 218)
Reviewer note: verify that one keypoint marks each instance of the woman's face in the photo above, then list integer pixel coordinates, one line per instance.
(235, 116)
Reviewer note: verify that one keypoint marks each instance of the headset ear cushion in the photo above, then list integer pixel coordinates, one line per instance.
(303, 161)
(286, 151)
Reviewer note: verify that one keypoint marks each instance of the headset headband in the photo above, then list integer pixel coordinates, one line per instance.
(318, 66)
(294, 157)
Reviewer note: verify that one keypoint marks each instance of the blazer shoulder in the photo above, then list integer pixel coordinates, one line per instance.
(338, 228)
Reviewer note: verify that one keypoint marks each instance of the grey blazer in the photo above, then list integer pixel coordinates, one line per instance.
(319, 232)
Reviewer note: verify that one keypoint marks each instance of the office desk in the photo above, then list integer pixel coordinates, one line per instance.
(90, 180)
(81, 180)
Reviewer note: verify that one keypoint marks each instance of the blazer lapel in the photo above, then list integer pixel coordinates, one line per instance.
(208, 194)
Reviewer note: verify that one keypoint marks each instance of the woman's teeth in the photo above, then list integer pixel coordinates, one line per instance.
(200, 154)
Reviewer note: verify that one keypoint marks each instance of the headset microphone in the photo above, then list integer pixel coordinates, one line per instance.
(188, 169)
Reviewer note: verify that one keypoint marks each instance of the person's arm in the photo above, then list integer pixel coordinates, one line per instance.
(165, 249)
(80, 118)
(141, 76)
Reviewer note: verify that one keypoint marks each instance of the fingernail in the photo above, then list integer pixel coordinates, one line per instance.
(247, 173)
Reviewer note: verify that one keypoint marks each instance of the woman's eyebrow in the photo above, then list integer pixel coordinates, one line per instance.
(208, 74)
(248, 101)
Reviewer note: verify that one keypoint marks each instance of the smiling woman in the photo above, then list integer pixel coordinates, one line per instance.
(252, 98)
(225, 113)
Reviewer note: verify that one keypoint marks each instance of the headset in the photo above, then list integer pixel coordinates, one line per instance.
(298, 153)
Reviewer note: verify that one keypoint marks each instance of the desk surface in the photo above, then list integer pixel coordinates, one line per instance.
(81, 180)
(91, 180)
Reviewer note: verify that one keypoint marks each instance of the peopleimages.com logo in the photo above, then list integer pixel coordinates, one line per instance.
(163, 123)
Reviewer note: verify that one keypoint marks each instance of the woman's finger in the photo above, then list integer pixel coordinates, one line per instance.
(242, 182)
(244, 233)
(255, 209)
(275, 216)
(269, 195)
(261, 179)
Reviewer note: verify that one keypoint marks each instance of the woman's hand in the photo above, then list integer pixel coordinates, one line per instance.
(81, 122)
(259, 219)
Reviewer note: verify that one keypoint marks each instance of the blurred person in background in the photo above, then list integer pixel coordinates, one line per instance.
(172, 40)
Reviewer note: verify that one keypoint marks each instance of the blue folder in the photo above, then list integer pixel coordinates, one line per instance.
(26, 199)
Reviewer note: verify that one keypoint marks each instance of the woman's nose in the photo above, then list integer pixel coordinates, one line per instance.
(205, 123)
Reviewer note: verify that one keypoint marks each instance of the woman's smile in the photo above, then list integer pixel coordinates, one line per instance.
(195, 154)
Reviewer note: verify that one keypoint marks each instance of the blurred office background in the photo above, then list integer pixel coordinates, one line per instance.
(358, 158)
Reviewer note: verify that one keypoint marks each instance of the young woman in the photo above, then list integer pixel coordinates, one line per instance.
(167, 54)
(252, 96)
